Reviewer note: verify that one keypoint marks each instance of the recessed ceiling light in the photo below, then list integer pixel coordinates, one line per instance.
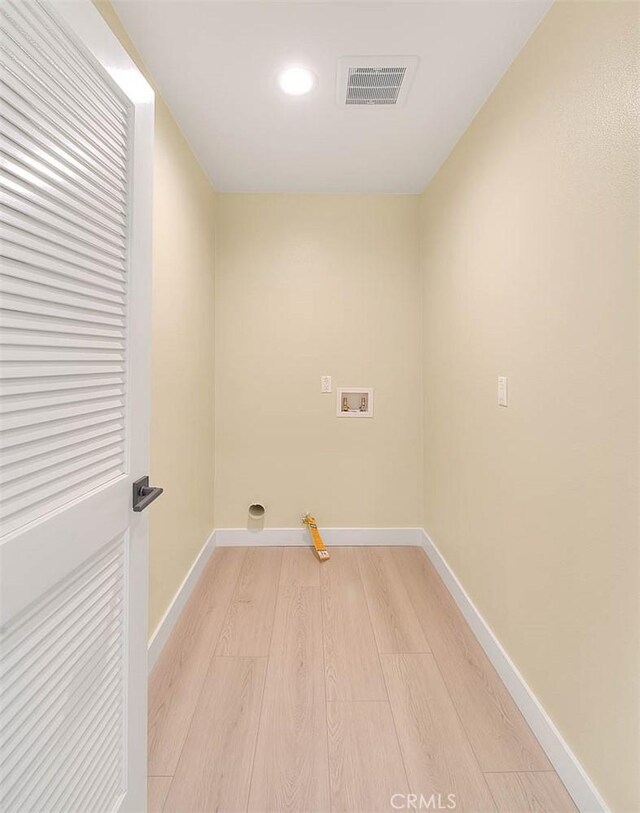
(296, 81)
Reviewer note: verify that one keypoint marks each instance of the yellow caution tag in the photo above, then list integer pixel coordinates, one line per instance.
(318, 544)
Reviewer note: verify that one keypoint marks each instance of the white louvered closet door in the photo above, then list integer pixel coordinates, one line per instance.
(76, 143)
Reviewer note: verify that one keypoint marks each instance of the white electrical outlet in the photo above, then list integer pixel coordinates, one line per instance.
(325, 383)
(502, 391)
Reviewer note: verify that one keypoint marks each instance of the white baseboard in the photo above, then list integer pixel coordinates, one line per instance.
(567, 766)
(168, 621)
(290, 537)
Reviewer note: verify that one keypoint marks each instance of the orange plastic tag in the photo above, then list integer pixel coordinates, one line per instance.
(321, 551)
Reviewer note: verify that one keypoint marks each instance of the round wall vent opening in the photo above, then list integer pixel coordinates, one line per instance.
(256, 510)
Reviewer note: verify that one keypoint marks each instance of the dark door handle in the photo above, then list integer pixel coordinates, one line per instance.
(144, 494)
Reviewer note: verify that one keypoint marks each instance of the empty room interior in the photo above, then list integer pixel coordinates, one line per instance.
(319, 395)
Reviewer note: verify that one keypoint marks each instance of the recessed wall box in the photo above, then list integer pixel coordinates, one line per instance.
(354, 402)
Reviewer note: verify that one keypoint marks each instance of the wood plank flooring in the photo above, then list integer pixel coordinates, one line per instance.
(500, 737)
(529, 791)
(290, 765)
(177, 680)
(157, 790)
(215, 765)
(352, 662)
(353, 685)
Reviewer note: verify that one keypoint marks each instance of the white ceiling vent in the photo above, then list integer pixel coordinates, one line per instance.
(374, 80)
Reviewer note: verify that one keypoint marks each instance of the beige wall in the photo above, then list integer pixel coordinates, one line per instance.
(306, 286)
(530, 270)
(182, 419)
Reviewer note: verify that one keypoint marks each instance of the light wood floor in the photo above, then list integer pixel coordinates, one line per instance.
(293, 685)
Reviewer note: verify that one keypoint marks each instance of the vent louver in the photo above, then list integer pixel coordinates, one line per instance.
(374, 85)
(374, 80)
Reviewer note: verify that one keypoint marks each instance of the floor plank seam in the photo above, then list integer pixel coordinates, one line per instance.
(264, 686)
(367, 602)
(453, 704)
(326, 699)
(357, 701)
(463, 728)
(548, 770)
(384, 680)
(441, 670)
(491, 794)
(166, 797)
(197, 701)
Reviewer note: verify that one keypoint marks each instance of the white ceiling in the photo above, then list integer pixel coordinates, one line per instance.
(215, 64)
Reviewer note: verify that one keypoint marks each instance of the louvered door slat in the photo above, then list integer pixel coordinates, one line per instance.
(53, 458)
(64, 193)
(66, 428)
(84, 670)
(40, 452)
(55, 383)
(55, 599)
(29, 416)
(60, 490)
(63, 752)
(43, 135)
(24, 265)
(49, 38)
(22, 95)
(31, 375)
(40, 148)
(52, 397)
(97, 789)
(47, 197)
(58, 752)
(74, 644)
(48, 627)
(25, 253)
(47, 166)
(34, 306)
(94, 278)
(38, 229)
(43, 84)
(39, 647)
(16, 97)
(55, 293)
(55, 473)
(50, 339)
(45, 68)
(19, 197)
(58, 635)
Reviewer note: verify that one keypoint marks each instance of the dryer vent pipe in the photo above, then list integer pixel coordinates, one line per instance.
(256, 510)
